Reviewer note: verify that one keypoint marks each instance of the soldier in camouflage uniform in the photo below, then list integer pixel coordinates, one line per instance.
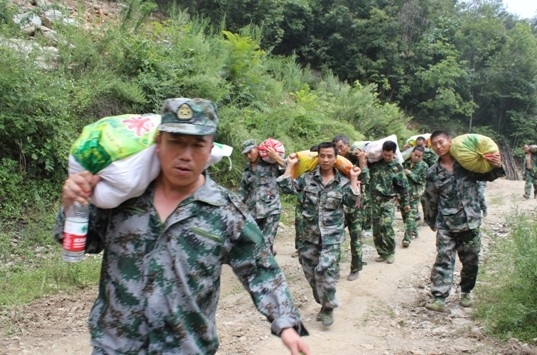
(354, 217)
(529, 171)
(259, 191)
(452, 210)
(430, 158)
(415, 170)
(164, 250)
(323, 193)
(481, 186)
(388, 183)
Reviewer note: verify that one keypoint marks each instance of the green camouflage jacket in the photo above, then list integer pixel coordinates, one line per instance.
(429, 157)
(259, 191)
(451, 199)
(364, 175)
(160, 282)
(323, 219)
(388, 180)
(416, 178)
(533, 170)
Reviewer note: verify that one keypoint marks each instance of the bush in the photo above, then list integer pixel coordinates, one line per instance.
(506, 301)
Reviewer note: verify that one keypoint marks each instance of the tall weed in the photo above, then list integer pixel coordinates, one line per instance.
(506, 302)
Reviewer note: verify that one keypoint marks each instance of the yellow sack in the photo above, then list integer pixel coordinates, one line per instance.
(307, 161)
(412, 140)
(469, 150)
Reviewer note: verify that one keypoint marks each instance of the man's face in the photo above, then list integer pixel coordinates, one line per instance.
(342, 148)
(416, 156)
(388, 156)
(526, 148)
(252, 155)
(183, 157)
(327, 158)
(441, 145)
(420, 143)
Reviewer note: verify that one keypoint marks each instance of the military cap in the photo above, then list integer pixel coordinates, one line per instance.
(195, 117)
(248, 145)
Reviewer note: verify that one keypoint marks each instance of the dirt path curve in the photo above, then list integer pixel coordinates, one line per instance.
(380, 313)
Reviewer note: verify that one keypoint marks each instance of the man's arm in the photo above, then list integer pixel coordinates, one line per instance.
(277, 158)
(498, 170)
(402, 189)
(79, 188)
(285, 182)
(243, 187)
(261, 276)
(430, 202)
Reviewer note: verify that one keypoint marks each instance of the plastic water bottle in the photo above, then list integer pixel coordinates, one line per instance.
(74, 232)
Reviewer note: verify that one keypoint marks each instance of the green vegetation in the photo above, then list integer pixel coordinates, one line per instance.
(464, 65)
(301, 71)
(131, 65)
(53, 275)
(506, 299)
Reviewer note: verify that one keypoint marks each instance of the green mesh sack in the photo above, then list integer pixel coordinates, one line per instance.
(470, 150)
(114, 138)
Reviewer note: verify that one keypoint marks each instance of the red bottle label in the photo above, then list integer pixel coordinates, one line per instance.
(74, 243)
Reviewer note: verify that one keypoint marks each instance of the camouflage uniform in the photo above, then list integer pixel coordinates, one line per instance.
(481, 185)
(323, 228)
(160, 281)
(298, 222)
(388, 183)
(260, 193)
(530, 175)
(416, 182)
(452, 208)
(355, 218)
(430, 158)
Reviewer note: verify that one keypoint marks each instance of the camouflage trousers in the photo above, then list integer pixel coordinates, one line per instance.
(365, 209)
(467, 245)
(320, 266)
(530, 181)
(409, 219)
(298, 227)
(269, 227)
(353, 221)
(382, 212)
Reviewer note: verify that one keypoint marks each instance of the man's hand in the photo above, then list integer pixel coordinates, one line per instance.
(406, 208)
(407, 171)
(78, 187)
(355, 172)
(362, 158)
(494, 159)
(294, 342)
(292, 159)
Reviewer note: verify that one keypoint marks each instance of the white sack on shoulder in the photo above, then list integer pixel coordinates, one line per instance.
(129, 177)
(122, 179)
(374, 150)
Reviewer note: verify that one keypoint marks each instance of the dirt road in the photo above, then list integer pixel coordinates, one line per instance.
(380, 313)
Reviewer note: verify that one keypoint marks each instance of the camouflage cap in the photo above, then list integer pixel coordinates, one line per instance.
(195, 117)
(248, 145)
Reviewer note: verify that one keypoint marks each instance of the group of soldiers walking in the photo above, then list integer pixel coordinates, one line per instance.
(452, 199)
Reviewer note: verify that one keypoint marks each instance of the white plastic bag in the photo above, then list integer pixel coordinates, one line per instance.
(374, 150)
(218, 152)
(122, 179)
